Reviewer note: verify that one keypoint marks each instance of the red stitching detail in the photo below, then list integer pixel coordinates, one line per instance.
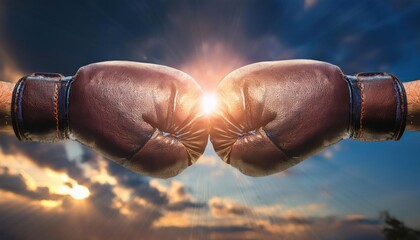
(56, 110)
(362, 111)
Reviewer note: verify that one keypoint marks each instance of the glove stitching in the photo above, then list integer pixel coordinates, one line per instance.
(362, 112)
(56, 110)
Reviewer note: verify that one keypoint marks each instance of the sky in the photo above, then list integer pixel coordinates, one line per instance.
(67, 191)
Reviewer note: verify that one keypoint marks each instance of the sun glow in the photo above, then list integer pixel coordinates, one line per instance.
(209, 103)
(79, 192)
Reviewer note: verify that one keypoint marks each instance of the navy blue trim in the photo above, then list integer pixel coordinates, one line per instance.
(355, 106)
(401, 111)
(16, 110)
(63, 113)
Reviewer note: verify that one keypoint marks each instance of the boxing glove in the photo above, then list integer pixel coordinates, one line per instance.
(145, 117)
(272, 115)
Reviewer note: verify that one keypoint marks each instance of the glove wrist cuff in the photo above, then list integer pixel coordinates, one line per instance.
(40, 107)
(378, 107)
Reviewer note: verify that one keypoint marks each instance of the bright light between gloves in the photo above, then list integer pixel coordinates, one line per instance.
(209, 103)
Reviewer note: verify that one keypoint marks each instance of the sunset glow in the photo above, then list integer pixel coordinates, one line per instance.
(79, 192)
(70, 190)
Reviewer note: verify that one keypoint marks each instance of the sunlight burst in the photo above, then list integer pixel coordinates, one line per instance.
(209, 103)
(79, 192)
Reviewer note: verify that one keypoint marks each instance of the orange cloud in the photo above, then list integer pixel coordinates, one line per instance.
(224, 208)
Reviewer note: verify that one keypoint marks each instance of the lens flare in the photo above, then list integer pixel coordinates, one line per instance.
(79, 192)
(208, 104)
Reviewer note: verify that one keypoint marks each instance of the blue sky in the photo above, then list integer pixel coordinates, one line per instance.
(339, 192)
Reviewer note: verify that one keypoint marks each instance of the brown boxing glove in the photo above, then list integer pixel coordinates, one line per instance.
(143, 116)
(272, 115)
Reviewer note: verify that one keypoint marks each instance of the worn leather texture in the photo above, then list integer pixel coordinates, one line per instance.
(39, 107)
(379, 107)
(143, 116)
(272, 115)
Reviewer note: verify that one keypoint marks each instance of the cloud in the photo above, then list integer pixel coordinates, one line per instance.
(76, 221)
(293, 223)
(16, 183)
(207, 42)
(360, 37)
(221, 208)
(79, 221)
(139, 184)
(324, 227)
(207, 160)
(297, 28)
(100, 217)
(181, 206)
(179, 197)
(328, 153)
(172, 198)
(144, 196)
(102, 198)
(46, 155)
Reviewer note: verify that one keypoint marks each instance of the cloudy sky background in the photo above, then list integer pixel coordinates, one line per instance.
(339, 192)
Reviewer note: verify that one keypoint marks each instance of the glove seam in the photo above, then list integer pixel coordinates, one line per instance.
(139, 148)
(274, 143)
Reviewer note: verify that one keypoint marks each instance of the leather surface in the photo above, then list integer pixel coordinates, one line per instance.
(144, 116)
(272, 115)
(381, 106)
(301, 106)
(39, 107)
